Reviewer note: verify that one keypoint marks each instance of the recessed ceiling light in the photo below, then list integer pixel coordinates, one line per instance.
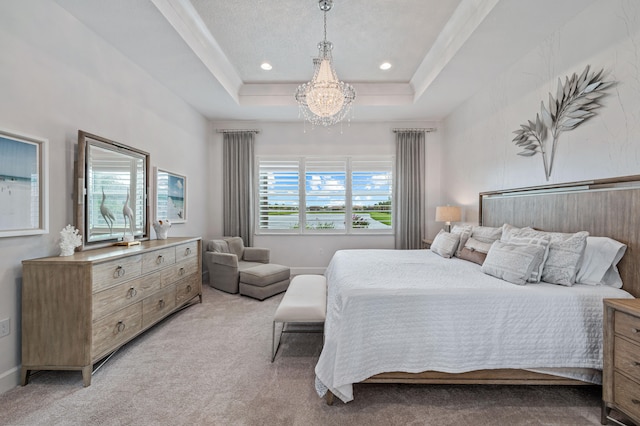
(266, 66)
(385, 66)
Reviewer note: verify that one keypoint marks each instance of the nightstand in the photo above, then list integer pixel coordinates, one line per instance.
(426, 243)
(621, 371)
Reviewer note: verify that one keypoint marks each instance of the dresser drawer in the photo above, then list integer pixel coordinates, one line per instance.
(121, 295)
(187, 289)
(114, 272)
(158, 259)
(187, 251)
(115, 329)
(628, 326)
(627, 358)
(178, 271)
(627, 394)
(158, 305)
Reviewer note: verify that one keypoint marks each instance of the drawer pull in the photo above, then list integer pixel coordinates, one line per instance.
(635, 330)
(188, 289)
(119, 272)
(159, 260)
(187, 251)
(132, 293)
(636, 401)
(181, 272)
(161, 303)
(120, 327)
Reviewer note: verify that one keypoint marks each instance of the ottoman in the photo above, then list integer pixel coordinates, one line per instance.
(264, 281)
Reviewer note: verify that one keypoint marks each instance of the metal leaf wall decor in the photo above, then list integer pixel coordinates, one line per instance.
(574, 103)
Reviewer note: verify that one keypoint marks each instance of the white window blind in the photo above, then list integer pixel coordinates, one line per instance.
(278, 194)
(371, 193)
(325, 194)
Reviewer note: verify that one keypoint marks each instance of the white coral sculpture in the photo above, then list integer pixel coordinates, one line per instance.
(70, 238)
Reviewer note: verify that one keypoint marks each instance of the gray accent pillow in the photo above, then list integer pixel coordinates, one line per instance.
(508, 232)
(565, 255)
(512, 262)
(537, 240)
(465, 232)
(445, 244)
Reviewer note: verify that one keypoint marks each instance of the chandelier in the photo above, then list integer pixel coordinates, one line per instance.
(325, 100)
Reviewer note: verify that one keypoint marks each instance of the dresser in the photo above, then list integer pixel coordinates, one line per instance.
(621, 372)
(78, 309)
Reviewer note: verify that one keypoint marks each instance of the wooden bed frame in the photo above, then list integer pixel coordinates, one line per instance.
(603, 207)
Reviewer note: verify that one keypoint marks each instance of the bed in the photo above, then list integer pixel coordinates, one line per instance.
(396, 316)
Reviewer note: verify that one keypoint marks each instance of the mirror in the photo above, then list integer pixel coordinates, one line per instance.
(112, 198)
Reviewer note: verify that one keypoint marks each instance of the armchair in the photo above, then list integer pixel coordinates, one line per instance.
(227, 257)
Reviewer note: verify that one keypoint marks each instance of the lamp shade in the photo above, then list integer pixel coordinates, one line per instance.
(448, 214)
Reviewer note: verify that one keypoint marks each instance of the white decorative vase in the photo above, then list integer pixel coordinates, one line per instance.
(162, 229)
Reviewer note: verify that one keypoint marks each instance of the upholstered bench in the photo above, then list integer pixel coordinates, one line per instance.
(304, 302)
(264, 280)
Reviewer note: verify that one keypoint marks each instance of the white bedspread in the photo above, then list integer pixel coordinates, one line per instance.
(413, 311)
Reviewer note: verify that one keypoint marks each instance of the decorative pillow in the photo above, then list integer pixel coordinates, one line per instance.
(542, 241)
(486, 234)
(565, 254)
(465, 232)
(508, 232)
(445, 244)
(474, 251)
(512, 262)
(598, 267)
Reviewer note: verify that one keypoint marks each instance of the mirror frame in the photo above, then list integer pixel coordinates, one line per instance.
(83, 192)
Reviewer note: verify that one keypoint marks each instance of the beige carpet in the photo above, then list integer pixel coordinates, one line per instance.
(210, 365)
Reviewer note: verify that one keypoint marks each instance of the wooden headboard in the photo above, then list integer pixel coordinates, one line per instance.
(604, 207)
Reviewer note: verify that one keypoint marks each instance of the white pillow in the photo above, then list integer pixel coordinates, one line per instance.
(486, 234)
(513, 262)
(445, 244)
(598, 267)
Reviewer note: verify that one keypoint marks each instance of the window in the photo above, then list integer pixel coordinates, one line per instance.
(340, 195)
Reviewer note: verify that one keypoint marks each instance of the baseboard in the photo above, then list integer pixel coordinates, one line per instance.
(9, 379)
(300, 270)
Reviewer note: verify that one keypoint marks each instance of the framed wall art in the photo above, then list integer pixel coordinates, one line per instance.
(23, 185)
(171, 196)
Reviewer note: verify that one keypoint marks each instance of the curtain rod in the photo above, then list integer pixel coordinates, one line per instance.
(237, 130)
(426, 130)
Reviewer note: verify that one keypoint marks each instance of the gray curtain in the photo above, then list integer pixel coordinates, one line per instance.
(238, 185)
(409, 211)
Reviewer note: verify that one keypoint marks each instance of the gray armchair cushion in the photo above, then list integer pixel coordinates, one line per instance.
(236, 245)
(218, 246)
(256, 254)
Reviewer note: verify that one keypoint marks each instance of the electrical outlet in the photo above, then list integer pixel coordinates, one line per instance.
(5, 327)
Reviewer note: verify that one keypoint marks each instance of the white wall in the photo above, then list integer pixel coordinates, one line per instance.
(311, 253)
(480, 155)
(57, 77)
